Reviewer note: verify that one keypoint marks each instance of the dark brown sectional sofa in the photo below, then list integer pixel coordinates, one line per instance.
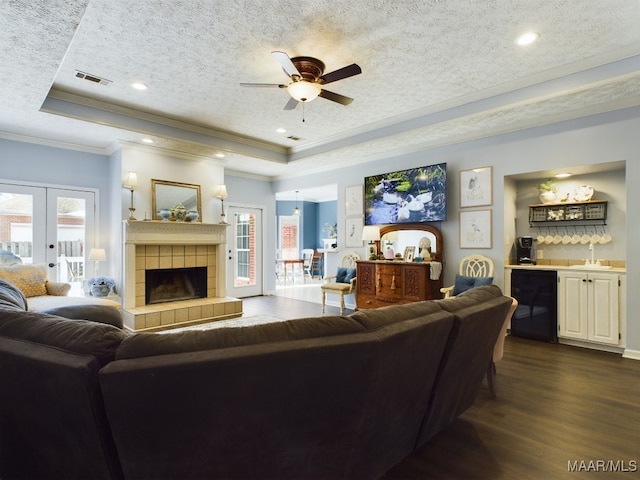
(331, 397)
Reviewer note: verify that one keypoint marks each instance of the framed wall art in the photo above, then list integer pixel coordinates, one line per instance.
(476, 187)
(353, 231)
(475, 229)
(353, 200)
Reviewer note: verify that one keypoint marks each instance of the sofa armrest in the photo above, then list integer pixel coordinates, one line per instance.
(448, 291)
(58, 289)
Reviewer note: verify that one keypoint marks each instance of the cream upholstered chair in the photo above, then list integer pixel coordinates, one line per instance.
(498, 349)
(475, 270)
(344, 282)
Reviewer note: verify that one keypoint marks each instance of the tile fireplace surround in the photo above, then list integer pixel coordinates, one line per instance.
(157, 245)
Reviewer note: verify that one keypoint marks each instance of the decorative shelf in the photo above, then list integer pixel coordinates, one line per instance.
(578, 213)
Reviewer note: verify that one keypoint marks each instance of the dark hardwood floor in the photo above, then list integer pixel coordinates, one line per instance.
(557, 406)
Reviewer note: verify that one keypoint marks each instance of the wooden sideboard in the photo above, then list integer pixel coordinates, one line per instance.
(382, 282)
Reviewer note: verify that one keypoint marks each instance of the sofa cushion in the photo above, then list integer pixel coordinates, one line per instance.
(96, 313)
(379, 317)
(77, 336)
(46, 302)
(464, 283)
(11, 296)
(31, 279)
(149, 344)
(57, 289)
(345, 274)
(470, 297)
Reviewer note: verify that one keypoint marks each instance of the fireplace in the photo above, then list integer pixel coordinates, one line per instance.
(174, 275)
(174, 284)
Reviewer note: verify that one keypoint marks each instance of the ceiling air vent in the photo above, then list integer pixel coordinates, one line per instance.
(92, 78)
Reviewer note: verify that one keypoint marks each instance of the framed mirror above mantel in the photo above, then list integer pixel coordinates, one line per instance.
(400, 236)
(167, 195)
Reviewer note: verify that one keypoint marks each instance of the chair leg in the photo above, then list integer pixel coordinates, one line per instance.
(491, 378)
(341, 304)
(324, 300)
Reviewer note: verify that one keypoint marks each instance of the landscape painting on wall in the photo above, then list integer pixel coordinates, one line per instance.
(414, 195)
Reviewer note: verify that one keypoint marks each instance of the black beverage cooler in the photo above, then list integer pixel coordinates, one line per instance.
(537, 314)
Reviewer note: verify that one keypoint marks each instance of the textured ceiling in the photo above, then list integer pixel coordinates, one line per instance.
(434, 72)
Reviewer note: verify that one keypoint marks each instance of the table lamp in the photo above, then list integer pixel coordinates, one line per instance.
(221, 193)
(97, 255)
(371, 233)
(131, 183)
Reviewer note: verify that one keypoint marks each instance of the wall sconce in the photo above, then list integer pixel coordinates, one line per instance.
(296, 211)
(371, 233)
(131, 183)
(97, 255)
(221, 193)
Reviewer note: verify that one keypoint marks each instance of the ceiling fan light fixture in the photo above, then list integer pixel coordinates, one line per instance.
(304, 91)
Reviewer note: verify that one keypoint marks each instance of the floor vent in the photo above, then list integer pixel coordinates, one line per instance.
(92, 78)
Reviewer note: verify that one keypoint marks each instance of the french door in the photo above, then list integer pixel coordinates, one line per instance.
(244, 252)
(47, 225)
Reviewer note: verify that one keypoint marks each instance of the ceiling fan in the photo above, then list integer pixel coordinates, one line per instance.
(306, 74)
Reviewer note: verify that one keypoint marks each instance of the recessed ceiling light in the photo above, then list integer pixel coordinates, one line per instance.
(220, 155)
(139, 86)
(147, 140)
(563, 175)
(281, 130)
(527, 38)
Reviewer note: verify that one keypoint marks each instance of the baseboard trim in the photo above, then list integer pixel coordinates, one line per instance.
(632, 354)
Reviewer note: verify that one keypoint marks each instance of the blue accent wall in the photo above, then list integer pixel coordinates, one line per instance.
(327, 213)
(313, 217)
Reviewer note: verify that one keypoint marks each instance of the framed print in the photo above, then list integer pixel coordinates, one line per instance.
(353, 232)
(476, 187)
(353, 200)
(409, 253)
(475, 229)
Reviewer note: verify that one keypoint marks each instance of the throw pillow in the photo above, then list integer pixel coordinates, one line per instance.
(341, 275)
(351, 273)
(30, 279)
(464, 283)
(345, 274)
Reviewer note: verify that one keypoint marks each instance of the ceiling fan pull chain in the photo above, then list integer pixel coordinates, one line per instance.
(302, 112)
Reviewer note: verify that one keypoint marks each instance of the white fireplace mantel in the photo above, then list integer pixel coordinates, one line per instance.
(174, 233)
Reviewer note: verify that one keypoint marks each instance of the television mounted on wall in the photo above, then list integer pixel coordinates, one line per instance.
(414, 195)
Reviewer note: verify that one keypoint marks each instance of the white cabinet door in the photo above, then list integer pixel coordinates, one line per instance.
(572, 305)
(588, 306)
(603, 308)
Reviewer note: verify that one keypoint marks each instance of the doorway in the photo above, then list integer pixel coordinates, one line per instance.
(48, 225)
(244, 252)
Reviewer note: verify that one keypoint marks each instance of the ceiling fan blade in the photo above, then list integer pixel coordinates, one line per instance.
(286, 63)
(263, 85)
(344, 72)
(291, 104)
(335, 97)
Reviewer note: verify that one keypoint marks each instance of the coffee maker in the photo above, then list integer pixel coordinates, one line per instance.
(525, 251)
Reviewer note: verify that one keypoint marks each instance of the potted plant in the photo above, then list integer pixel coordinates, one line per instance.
(547, 191)
(101, 286)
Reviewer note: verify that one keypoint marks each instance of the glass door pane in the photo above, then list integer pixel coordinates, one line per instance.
(21, 224)
(244, 269)
(70, 230)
